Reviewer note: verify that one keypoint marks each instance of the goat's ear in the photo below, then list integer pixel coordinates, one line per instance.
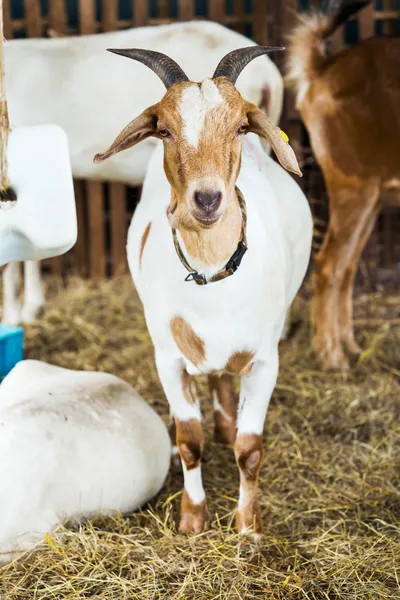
(264, 127)
(144, 126)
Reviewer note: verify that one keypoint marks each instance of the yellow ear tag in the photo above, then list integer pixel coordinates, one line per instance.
(284, 135)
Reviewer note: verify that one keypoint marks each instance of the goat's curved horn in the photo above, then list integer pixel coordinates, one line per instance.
(234, 62)
(167, 69)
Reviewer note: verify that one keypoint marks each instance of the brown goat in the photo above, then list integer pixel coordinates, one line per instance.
(350, 104)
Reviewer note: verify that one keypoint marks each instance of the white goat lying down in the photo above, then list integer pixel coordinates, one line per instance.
(70, 82)
(190, 228)
(73, 444)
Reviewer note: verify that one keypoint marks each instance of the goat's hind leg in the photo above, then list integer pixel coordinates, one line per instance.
(33, 292)
(181, 394)
(255, 394)
(225, 408)
(11, 289)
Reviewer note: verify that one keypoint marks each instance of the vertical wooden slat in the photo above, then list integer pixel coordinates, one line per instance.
(95, 211)
(216, 10)
(140, 10)
(7, 25)
(57, 16)
(260, 25)
(238, 11)
(388, 24)
(87, 16)
(33, 18)
(162, 8)
(80, 248)
(57, 266)
(109, 15)
(118, 224)
(186, 9)
(366, 22)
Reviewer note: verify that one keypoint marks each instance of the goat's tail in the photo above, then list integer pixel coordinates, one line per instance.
(306, 48)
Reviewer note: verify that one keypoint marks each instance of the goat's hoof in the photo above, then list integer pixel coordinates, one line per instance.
(249, 525)
(31, 312)
(193, 516)
(352, 347)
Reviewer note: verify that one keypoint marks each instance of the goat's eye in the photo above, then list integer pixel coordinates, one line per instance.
(164, 133)
(242, 129)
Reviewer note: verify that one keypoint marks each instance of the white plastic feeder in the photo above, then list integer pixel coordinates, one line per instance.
(42, 222)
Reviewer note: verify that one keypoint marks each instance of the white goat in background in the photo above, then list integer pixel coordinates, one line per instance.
(207, 310)
(73, 444)
(69, 82)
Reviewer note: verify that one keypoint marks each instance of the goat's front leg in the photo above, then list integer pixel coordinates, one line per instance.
(180, 390)
(255, 394)
(11, 286)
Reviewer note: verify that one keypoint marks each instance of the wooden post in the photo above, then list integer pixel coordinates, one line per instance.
(6, 192)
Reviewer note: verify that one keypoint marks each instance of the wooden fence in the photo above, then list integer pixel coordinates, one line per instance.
(104, 210)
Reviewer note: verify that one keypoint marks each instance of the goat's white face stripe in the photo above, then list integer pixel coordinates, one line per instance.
(195, 103)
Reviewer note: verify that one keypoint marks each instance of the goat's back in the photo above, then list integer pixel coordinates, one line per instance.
(72, 444)
(351, 110)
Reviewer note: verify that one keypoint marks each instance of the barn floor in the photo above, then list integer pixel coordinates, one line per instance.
(330, 483)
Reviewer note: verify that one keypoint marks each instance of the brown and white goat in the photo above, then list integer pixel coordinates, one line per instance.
(212, 197)
(350, 106)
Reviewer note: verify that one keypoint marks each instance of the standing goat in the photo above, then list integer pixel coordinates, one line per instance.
(65, 89)
(218, 248)
(350, 106)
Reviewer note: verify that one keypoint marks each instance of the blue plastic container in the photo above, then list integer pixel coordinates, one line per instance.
(11, 348)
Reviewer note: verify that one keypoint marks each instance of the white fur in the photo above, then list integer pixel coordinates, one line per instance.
(92, 94)
(243, 312)
(194, 484)
(195, 103)
(73, 444)
(13, 310)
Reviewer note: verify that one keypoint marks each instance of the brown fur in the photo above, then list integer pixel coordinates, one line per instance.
(351, 111)
(248, 453)
(239, 363)
(193, 516)
(188, 342)
(143, 242)
(225, 422)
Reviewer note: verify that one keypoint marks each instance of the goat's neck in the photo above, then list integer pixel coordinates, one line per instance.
(213, 247)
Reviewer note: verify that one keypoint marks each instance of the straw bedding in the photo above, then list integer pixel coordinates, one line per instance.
(330, 481)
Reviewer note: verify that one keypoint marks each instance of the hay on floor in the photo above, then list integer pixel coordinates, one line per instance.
(330, 481)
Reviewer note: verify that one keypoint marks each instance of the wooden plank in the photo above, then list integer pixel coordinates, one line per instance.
(80, 249)
(58, 16)
(186, 10)
(140, 11)
(239, 12)
(87, 16)
(162, 8)
(216, 10)
(260, 25)
(109, 11)
(7, 23)
(119, 226)
(366, 22)
(57, 266)
(95, 211)
(33, 18)
(388, 23)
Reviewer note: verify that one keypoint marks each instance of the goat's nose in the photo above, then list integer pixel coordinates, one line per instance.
(208, 201)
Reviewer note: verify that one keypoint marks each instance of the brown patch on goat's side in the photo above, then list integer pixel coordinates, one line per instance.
(143, 242)
(188, 342)
(239, 363)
